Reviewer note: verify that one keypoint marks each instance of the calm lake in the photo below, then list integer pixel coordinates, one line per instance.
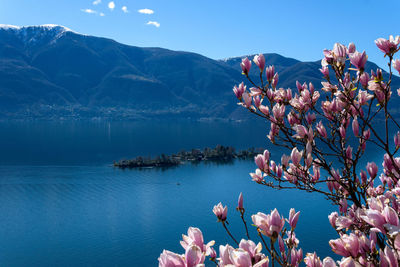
(63, 204)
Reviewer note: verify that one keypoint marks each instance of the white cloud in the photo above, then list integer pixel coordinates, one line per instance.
(125, 9)
(101, 14)
(89, 11)
(111, 5)
(154, 23)
(146, 11)
(96, 2)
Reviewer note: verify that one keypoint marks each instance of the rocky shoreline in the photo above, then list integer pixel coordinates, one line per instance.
(218, 154)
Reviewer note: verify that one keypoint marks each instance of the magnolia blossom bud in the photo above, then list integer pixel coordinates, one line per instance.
(285, 160)
(325, 72)
(220, 211)
(397, 140)
(264, 110)
(260, 162)
(271, 224)
(396, 65)
(275, 80)
(388, 46)
(260, 61)
(270, 72)
(351, 48)
(245, 65)
(257, 101)
(332, 218)
(372, 169)
(293, 218)
(296, 156)
(358, 60)
(342, 131)
(258, 176)
(356, 127)
(364, 79)
(240, 202)
(363, 175)
(213, 253)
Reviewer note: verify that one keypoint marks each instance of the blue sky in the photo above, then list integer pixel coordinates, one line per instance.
(221, 28)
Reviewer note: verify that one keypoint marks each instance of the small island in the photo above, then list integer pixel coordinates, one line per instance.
(218, 154)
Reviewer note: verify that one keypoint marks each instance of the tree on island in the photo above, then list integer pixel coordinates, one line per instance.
(326, 134)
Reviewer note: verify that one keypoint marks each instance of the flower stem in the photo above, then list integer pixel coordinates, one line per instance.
(229, 233)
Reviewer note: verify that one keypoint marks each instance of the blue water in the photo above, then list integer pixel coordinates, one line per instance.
(63, 204)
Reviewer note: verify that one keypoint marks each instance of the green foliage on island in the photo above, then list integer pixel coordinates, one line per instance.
(218, 154)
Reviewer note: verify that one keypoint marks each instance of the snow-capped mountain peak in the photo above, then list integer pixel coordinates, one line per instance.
(33, 34)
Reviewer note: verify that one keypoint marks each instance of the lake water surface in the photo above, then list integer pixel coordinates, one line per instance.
(63, 204)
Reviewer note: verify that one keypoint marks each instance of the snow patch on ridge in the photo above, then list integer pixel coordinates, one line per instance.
(33, 34)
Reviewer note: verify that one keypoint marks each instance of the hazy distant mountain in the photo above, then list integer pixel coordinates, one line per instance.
(51, 72)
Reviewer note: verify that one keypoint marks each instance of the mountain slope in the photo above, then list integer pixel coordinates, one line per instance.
(51, 72)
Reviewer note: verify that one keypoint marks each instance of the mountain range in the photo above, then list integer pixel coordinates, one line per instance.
(51, 72)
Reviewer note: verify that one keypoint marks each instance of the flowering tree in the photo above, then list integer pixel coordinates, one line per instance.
(326, 134)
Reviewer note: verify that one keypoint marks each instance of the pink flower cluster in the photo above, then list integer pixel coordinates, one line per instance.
(325, 134)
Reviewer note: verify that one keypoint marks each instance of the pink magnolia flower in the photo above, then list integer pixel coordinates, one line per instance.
(346, 245)
(260, 61)
(261, 162)
(388, 46)
(247, 99)
(195, 237)
(293, 218)
(170, 259)
(342, 131)
(358, 59)
(270, 72)
(391, 216)
(396, 65)
(349, 262)
(296, 156)
(375, 219)
(312, 260)
(275, 80)
(257, 101)
(332, 218)
(193, 256)
(245, 65)
(328, 262)
(240, 257)
(239, 90)
(355, 127)
(296, 256)
(351, 48)
(224, 252)
(279, 111)
(212, 253)
(364, 79)
(262, 263)
(388, 257)
(343, 222)
(325, 71)
(372, 169)
(301, 131)
(240, 202)
(251, 248)
(285, 160)
(270, 224)
(220, 211)
(321, 130)
(255, 91)
(339, 53)
(258, 176)
(264, 110)
(397, 139)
